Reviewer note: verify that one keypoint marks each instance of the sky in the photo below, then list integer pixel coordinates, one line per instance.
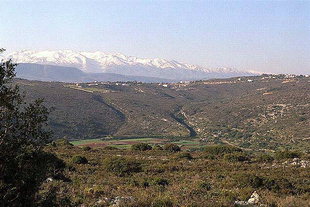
(267, 36)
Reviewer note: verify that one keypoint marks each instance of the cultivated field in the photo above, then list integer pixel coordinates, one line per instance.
(125, 143)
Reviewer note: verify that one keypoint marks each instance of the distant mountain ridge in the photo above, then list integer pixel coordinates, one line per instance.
(31, 71)
(101, 62)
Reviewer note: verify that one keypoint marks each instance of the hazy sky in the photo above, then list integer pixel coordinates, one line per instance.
(268, 36)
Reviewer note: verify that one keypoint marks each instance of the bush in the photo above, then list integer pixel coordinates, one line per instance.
(236, 157)
(79, 159)
(287, 154)
(275, 185)
(172, 147)
(220, 150)
(86, 148)
(160, 181)
(139, 182)
(141, 147)
(209, 157)
(279, 185)
(205, 186)
(184, 155)
(122, 166)
(110, 148)
(249, 180)
(157, 147)
(264, 158)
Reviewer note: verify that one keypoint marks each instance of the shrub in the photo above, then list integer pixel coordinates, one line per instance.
(172, 147)
(110, 148)
(236, 157)
(122, 166)
(209, 157)
(141, 147)
(157, 147)
(249, 180)
(275, 185)
(264, 158)
(220, 150)
(279, 185)
(287, 154)
(79, 159)
(160, 181)
(184, 155)
(205, 186)
(139, 182)
(86, 148)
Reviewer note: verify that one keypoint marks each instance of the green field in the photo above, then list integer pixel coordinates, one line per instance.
(86, 141)
(126, 143)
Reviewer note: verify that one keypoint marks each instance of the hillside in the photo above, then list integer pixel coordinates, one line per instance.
(262, 112)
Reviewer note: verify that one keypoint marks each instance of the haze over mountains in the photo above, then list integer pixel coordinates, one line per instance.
(72, 66)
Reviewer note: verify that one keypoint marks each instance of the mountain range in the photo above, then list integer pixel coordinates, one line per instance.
(100, 66)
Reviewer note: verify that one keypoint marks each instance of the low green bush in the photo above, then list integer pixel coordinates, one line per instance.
(264, 158)
(157, 147)
(141, 147)
(204, 186)
(86, 148)
(249, 180)
(122, 166)
(110, 148)
(236, 157)
(172, 147)
(221, 150)
(79, 159)
(273, 184)
(209, 157)
(160, 181)
(184, 155)
(287, 154)
(139, 182)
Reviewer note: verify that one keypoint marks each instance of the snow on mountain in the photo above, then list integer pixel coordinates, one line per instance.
(98, 62)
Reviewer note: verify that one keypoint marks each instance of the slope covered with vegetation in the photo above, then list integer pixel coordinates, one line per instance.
(262, 112)
(164, 176)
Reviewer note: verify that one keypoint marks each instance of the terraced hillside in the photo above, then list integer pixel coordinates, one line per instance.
(262, 112)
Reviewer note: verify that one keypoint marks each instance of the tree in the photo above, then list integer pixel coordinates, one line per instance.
(23, 163)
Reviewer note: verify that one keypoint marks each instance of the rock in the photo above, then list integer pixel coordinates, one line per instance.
(254, 199)
(118, 200)
(102, 202)
(295, 159)
(49, 179)
(241, 203)
(304, 163)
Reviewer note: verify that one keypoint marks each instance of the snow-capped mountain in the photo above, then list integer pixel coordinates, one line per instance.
(100, 62)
